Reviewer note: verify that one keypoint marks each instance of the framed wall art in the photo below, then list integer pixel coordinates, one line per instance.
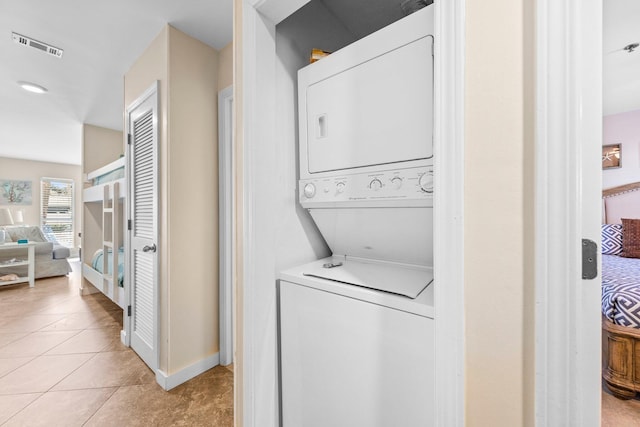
(611, 156)
(15, 192)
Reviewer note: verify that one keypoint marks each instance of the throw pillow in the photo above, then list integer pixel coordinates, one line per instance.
(630, 238)
(31, 233)
(34, 234)
(611, 239)
(16, 233)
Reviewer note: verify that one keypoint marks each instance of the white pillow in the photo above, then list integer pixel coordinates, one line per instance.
(31, 233)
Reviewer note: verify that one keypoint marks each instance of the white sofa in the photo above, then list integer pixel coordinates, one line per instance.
(50, 258)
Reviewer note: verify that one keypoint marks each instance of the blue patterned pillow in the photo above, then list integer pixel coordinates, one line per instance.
(611, 239)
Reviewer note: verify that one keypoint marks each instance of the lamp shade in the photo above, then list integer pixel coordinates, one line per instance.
(5, 217)
(18, 217)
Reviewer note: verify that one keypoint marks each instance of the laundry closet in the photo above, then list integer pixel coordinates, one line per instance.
(355, 304)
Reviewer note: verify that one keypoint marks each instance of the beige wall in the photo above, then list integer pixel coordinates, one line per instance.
(29, 170)
(150, 67)
(100, 146)
(188, 256)
(193, 200)
(498, 229)
(225, 69)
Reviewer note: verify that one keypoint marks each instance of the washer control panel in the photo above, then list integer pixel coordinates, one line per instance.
(401, 184)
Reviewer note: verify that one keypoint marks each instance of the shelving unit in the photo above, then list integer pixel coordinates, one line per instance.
(30, 261)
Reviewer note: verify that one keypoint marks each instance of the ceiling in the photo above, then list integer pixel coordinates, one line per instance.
(101, 39)
(621, 70)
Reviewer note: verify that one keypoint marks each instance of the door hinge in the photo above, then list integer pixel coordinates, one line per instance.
(128, 224)
(129, 311)
(129, 138)
(589, 259)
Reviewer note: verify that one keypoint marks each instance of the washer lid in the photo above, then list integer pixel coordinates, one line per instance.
(396, 235)
(394, 279)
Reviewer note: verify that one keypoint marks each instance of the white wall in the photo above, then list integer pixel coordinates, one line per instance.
(29, 170)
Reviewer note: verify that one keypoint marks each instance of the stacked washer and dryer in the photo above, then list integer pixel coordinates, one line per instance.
(356, 330)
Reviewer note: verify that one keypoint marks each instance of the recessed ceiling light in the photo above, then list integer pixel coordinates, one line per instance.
(32, 87)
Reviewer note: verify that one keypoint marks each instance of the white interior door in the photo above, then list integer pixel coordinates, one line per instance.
(142, 254)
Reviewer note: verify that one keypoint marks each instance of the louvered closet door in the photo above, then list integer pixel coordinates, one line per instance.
(143, 213)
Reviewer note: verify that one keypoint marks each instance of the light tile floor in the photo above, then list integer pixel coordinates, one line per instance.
(62, 364)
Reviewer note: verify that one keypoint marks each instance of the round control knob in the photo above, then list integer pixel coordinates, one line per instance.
(340, 187)
(397, 182)
(426, 182)
(375, 184)
(309, 190)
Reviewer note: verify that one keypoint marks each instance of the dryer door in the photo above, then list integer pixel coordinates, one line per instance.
(378, 112)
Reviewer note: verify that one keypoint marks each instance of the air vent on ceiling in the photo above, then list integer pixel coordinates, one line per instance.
(44, 47)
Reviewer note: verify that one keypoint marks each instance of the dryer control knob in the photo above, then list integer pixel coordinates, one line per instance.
(397, 182)
(340, 187)
(375, 184)
(309, 190)
(426, 182)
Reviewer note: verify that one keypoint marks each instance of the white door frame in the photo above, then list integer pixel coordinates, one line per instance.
(259, 18)
(568, 139)
(226, 222)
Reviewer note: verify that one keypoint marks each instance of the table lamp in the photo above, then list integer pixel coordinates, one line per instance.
(18, 217)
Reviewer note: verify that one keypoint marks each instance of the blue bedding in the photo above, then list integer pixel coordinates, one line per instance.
(96, 263)
(621, 290)
(109, 176)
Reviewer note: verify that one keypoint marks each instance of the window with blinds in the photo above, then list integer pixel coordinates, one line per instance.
(56, 215)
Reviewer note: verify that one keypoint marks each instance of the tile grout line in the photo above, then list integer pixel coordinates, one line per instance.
(32, 402)
(19, 366)
(72, 372)
(101, 406)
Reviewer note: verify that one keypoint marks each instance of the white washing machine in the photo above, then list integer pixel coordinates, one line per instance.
(356, 330)
(353, 356)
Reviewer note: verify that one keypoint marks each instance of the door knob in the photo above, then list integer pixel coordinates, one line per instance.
(148, 248)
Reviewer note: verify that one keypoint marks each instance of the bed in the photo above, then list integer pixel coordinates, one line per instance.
(620, 293)
(97, 263)
(104, 177)
(103, 231)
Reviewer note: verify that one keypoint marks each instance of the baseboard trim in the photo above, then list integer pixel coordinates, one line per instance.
(167, 382)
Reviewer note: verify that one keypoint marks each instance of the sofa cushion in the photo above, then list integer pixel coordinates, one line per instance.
(31, 233)
(60, 252)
